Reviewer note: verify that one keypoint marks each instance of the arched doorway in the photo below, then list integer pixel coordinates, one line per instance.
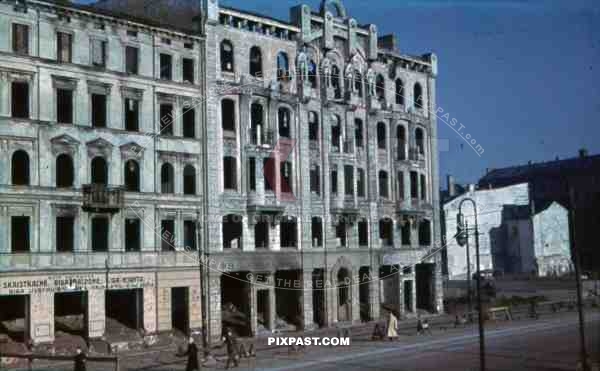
(344, 295)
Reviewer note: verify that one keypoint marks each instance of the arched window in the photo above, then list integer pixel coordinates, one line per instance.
(336, 81)
(226, 56)
(401, 142)
(399, 92)
(228, 115)
(20, 168)
(284, 118)
(255, 62)
(358, 84)
(418, 95)
(283, 67)
(167, 179)
(99, 171)
(189, 180)
(64, 171)
(381, 136)
(419, 141)
(380, 87)
(132, 176)
(312, 74)
(383, 184)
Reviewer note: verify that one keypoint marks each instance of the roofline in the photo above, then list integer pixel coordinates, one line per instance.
(258, 18)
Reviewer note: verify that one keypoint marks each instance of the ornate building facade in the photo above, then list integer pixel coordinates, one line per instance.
(299, 157)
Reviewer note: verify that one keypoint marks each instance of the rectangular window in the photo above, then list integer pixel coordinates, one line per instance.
(334, 182)
(20, 42)
(414, 184)
(98, 53)
(189, 234)
(286, 176)
(20, 234)
(230, 173)
(131, 60)
(166, 119)
(100, 234)
(252, 173)
(423, 187)
(64, 233)
(99, 110)
(315, 180)
(348, 180)
(400, 185)
(63, 47)
(189, 122)
(188, 70)
(64, 106)
(167, 235)
(360, 183)
(363, 233)
(358, 133)
(20, 99)
(131, 114)
(132, 235)
(166, 67)
(269, 173)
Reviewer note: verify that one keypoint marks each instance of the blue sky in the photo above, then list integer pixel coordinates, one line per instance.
(521, 76)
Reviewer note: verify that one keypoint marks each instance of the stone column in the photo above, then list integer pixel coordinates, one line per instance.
(195, 307)
(4, 89)
(248, 233)
(164, 309)
(149, 311)
(96, 313)
(214, 303)
(272, 302)
(250, 292)
(354, 290)
(374, 292)
(307, 300)
(41, 317)
(4, 225)
(414, 295)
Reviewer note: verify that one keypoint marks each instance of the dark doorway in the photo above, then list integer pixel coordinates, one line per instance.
(232, 231)
(263, 305)
(344, 296)
(180, 309)
(235, 303)
(64, 171)
(20, 234)
(99, 171)
(20, 168)
(287, 298)
(424, 282)
(408, 296)
(100, 234)
(132, 176)
(318, 293)
(390, 287)
(125, 308)
(70, 313)
(64, 233)
(14, 317)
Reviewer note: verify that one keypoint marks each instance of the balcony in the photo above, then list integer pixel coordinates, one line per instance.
(416, 154)
(100, 198)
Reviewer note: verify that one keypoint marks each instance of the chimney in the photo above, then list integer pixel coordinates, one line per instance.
(583, 152)
(387, 42)
(451, 188)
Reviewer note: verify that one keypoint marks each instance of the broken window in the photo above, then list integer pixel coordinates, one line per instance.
(132, 107)
(380, 87)
(131, 60)
(313, 126)
(252, 173)
(228, 115)
(334, 181)
(284, 116)
(400, 185)
(315, 179)
(232, 231)
(167, 179)
(256, 122)
(419, 141)
(64, 233)
(20, 99)
(363, 233)
(358, 132)
(424, 233)
(349, 180)
(289, 232)
(423, 187)
(283, 67)
(99, 110)
(189, 180)
(401, 142)
(98, 53)
(418, 95)
(381, 136)
(360, 183)
(64, 106)
(63, 47)
(99, 171)
(226, 56)
(399, 92)
(166, 68)
(64, 171)
(20, 235)
(386, 231)
(187, 70)
(383, 184)
(167, 120)
(317, 232)
(229, 173)
(414, 185)
(286, 177)
(132, 235)
(269, 173)
(20, 41)
(189, 122)
(189, 234)
(255, 62)
(99, 234)
(132, 176)
(167, 235)
(20, 168)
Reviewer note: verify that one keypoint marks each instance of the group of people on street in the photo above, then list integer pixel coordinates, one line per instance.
(390, 331)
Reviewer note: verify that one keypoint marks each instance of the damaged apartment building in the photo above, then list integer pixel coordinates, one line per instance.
(296, 155)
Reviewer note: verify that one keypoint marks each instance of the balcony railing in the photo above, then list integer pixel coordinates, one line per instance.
(101, 198)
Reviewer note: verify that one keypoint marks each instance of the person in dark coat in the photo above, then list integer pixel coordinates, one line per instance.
(419, 327)
(231, 343)
(192, 354)
(79, 360)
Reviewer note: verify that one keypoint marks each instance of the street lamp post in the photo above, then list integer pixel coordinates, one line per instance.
(469, 292)
(461, 238)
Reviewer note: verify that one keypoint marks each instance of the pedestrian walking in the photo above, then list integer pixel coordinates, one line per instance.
(79, 360)
(231, 343)
(419, 327)
(378, 333)
(392, 324)
(426, 329)
(192, 354)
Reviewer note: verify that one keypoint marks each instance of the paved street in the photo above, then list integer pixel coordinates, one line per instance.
(550, 343)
